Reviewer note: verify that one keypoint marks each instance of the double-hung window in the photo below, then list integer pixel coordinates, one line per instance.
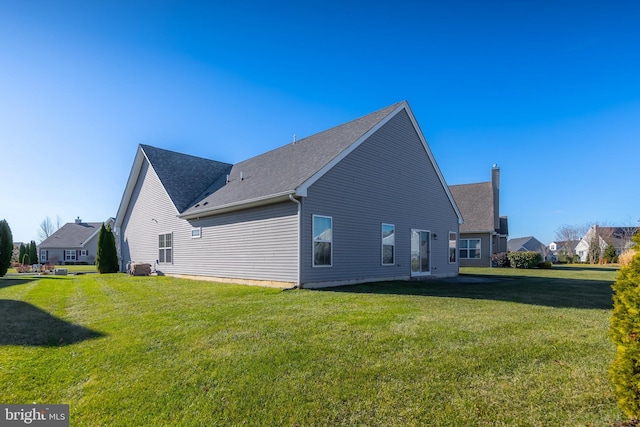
(70, 255)
(165, 248)
(322, 241)
(453, 241)
(469, 248)
(388, 244)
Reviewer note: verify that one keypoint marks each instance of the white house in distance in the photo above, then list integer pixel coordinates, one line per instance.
(619, 237)
(363, 201)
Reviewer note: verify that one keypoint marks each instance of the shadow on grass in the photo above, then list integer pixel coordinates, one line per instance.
(24, 324)
(549, 292)
(19, 279)
(577, 267)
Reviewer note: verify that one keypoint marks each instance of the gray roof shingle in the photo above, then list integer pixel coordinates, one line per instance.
(475, 202)
(71, 235)
(184, 177)
(283, 170)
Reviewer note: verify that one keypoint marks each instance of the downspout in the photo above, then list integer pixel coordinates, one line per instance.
(298, 256)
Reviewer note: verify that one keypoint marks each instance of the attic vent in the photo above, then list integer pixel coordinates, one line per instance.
(294, 138)
(227, 179)
(198, 204)
(241, 176)
(205, 203)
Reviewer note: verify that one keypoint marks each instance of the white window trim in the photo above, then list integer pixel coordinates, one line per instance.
(454, 247)
(43, 255)
(313, 241)
(84, 252)
(467, 249)
(199, 232)
(165, 247)
(70, 251)
(382, 245)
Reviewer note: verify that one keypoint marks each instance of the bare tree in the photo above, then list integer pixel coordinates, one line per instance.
(568, 236)
(47, 228)
(627, 232)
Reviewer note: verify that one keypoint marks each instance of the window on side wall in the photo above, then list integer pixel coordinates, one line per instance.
(469, 248)
(322, 241)
(165, 248)
(70, 255)
(196, 233)
(453, 242)
(388, 244)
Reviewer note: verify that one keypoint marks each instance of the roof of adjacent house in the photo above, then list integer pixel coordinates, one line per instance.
(72, 235)
(475, 202)
(200, 187)
(528, 243)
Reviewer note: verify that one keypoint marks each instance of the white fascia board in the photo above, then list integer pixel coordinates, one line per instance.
(304, 187)
(434, 163)
(141, 156)
(109, 221)
(236, 206)
(131, 183)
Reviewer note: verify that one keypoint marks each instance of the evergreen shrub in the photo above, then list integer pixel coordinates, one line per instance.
(524, 259)
(6, 247)
(624, 331)
(501, 259)
(106, 253)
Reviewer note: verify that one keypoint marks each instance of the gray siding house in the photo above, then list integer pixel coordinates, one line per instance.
(529, 244)
(363, 201)
(484, 231)
(73, 243)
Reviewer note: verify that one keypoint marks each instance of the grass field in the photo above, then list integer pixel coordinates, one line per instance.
(499, 347)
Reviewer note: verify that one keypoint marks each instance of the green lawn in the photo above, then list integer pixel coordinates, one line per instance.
(520, 348)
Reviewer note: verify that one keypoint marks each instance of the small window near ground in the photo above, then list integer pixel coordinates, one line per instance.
(388, 244)
(165, 248)
(322, 241)
(453, 241)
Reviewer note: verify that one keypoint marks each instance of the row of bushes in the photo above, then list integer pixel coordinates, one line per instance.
(519, 260)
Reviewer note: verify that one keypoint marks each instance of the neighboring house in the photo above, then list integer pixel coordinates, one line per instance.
(529, 244)
(619, 237)
(73, 243)
(484, 231)
(563, 250)
(363, 201)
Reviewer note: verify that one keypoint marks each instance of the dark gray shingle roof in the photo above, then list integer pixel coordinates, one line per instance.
(281, 171)
(184, 177)
(475, 202)
(529, 243)
(71, 235)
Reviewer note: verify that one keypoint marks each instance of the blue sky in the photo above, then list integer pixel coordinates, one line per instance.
(549, 91)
